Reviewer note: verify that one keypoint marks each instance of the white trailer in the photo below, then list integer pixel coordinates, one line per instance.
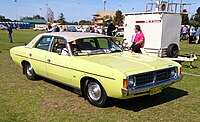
(161, 29)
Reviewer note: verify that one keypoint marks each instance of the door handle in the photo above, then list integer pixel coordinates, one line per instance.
(30, 54)
(48, 60)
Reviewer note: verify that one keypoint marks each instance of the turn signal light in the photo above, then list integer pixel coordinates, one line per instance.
(180, 70)
(125, 83)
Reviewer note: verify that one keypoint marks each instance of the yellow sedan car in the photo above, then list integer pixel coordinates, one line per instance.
(95, 65)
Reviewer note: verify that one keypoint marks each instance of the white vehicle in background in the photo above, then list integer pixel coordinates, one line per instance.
(161, 29)
(101, 30)
(80, 29)
(40, 27)
(2, 27)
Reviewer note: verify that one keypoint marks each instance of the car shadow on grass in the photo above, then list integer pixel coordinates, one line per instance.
(140, 103)
(134, 104)
(62, 85)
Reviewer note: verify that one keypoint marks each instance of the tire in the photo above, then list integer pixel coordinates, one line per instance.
(173, 51)
(29, 71)
(95, 93)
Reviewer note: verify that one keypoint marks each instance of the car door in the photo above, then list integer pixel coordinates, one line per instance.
(58, 66)
(37, 55)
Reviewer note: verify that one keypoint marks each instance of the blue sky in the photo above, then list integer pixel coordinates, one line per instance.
(75, 9)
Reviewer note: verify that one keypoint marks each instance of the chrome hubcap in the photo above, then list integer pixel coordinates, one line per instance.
(29, 70)
(94, 91)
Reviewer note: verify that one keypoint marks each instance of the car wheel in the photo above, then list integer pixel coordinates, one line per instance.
(95, 93)
(29, 71)
(172, 51)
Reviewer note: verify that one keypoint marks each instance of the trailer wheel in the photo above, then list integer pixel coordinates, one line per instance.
(172, 50)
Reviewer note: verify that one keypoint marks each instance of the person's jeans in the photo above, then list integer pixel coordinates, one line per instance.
(136, 49)
(10, 37)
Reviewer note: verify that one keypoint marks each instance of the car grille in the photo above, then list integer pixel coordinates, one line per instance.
(151, 77)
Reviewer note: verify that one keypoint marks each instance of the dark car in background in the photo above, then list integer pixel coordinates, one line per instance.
(71, 29)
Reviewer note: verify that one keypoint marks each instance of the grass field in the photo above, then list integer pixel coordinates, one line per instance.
(22, 100)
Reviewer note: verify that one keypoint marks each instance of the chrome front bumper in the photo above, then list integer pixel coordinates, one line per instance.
(146, 89)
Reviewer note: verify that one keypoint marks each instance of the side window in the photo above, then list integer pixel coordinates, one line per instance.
(90, 40)
(86, 44)
(59, 46)
(44, 43)
(103, 43)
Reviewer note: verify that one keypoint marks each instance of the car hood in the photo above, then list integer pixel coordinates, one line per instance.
(129, 63)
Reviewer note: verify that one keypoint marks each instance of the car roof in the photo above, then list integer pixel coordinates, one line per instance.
(69, 36)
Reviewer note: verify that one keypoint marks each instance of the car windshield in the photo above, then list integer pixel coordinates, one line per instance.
(93, 46)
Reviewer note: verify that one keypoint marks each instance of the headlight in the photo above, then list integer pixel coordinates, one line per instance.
(131, 82)
(174, 73)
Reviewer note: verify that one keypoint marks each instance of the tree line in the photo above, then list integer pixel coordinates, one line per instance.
(194, 20)
(118, 19)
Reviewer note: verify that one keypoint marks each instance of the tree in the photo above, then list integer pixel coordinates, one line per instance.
(61, 19)
(26, 18)
(38, 17)
(197, 15)
(4, 19)
(195, 19)
(194, 23)
(185, 18)
(106, 18)
(118, 19)
(31, 18)
(85, 22)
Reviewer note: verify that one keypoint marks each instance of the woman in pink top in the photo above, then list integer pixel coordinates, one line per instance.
(138, 40)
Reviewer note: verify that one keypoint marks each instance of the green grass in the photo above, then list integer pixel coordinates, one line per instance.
(20, 37)
(22, 100)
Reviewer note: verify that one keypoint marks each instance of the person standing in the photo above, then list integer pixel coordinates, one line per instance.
(49, 27)
(111, 27)
(103, 30)
(184, 32)
(9, 32)
(197, 34)
(138, 41)
(55, 28)
(192, 34)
